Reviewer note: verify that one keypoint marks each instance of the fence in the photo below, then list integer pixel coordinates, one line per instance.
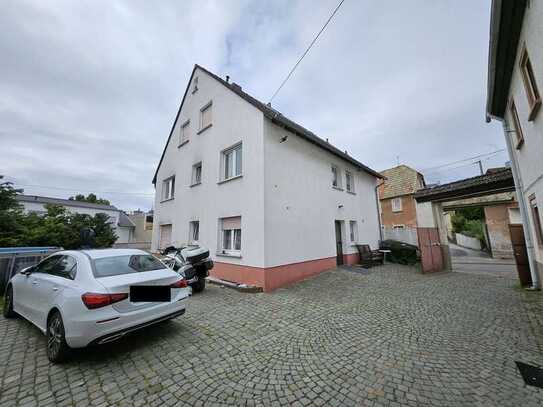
(406, 235)
(14, 259)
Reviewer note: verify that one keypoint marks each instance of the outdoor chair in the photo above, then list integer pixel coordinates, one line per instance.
(368, 257)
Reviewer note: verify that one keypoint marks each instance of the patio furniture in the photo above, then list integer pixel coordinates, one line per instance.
(368, 257)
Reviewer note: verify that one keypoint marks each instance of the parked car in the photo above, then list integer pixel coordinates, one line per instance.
(88, 297)
(192, 262)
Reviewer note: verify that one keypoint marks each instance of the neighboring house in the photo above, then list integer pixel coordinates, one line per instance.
(397, 204)
(515, 83)
(143, 232)
(273, 202)
(123, 227)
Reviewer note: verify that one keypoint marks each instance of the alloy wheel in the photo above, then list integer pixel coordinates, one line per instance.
(54, 341)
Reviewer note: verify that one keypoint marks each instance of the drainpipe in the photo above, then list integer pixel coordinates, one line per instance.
(519, 187)
(379, 211)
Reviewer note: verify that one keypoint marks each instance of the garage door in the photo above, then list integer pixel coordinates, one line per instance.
(165, 236)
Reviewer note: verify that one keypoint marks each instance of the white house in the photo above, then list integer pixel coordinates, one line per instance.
(122, 225)
(272, 201)
(515, 83)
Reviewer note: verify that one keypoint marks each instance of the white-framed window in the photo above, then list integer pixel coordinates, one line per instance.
(397, 205)
(230, 235)
(196, 174)
(194, 231)
(206, 113)
(231, 162)
(184, 132)
(195, 84)
(336, 177)
(349, 181)
(398, 226)
(168, 188)
(353, 231)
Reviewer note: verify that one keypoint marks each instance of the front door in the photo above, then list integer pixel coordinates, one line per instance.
(339, 244)
(430, 248)
(521, 255)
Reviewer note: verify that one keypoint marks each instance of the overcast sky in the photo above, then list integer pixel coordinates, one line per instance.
(89, 89)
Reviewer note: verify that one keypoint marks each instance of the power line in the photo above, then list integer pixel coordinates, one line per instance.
(82, 190)
(307, 50)
(465, 159)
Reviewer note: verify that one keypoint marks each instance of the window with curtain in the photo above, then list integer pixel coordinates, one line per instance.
(194, 231)
(232, 162)
(230, 229)
(206, 116)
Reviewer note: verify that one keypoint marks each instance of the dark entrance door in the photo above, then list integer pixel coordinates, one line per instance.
(521, 255)
(430, 249)
(339, 244)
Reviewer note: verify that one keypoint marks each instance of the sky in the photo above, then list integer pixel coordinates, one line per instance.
(89, 89)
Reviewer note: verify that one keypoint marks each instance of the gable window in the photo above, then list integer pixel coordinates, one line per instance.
(536, 220)
(195, 84)
(530, 85)
(230, 230)
(397, 205)
(168, 188)
(353, 229)
(349, 181)
(194, 231)
(184, 133)
(196, 174)
(206, 113)
(336, 177)
(516, 124)
(231, 162)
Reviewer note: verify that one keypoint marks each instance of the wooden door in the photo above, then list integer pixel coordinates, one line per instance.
(521, 255)
(430, 248)
(339, 244)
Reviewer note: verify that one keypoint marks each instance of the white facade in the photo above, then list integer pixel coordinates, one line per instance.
(528, 156)
(38, 206)
(284, 194)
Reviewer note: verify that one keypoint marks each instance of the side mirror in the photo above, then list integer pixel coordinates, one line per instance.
(27, 271)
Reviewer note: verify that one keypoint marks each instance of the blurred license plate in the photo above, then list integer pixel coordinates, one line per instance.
(150, 293)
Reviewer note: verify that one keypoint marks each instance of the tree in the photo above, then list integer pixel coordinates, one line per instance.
(91, 198)
(11, 214)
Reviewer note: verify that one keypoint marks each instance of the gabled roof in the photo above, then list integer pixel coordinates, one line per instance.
(276, 117)
(505, 27)
(400, 180)
(64, 202)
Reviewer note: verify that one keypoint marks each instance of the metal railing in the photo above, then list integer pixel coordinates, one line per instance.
(14, 259)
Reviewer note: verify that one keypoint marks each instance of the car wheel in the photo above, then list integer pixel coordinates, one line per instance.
(8, 304)
(199, 285)
(57, 348)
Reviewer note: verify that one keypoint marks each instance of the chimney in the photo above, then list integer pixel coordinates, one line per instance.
(236, 86)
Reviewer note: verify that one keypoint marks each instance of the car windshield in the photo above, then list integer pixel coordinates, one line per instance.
(117, 265)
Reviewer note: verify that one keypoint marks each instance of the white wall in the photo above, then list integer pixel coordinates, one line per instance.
(530, 154)
(301, 205)
(234, 120)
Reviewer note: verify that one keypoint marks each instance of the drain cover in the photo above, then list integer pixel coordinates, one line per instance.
(533, 376)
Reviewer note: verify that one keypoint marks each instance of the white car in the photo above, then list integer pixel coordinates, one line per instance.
(87, 297)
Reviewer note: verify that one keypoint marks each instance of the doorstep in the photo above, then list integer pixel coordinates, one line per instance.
(244, 288)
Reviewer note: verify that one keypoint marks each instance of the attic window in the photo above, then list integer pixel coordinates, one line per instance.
(530, 85)
(195, 84)
(516, 124)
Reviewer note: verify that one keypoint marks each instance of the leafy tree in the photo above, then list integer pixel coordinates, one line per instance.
(92, 198)
(11, 213)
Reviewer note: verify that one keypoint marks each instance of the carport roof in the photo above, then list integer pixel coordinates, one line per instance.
(499, 180)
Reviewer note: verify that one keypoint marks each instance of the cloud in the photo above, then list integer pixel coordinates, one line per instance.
(90, 89)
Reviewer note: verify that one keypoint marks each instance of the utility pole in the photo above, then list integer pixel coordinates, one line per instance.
(480, 166)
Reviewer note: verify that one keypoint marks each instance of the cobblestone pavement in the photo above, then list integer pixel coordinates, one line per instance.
(387, 337)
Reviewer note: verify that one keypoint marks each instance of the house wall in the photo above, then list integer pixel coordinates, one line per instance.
(407, 216)
(140, 233)
(233, 120)
(528, 156)
(497, 222)
(301, 206)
